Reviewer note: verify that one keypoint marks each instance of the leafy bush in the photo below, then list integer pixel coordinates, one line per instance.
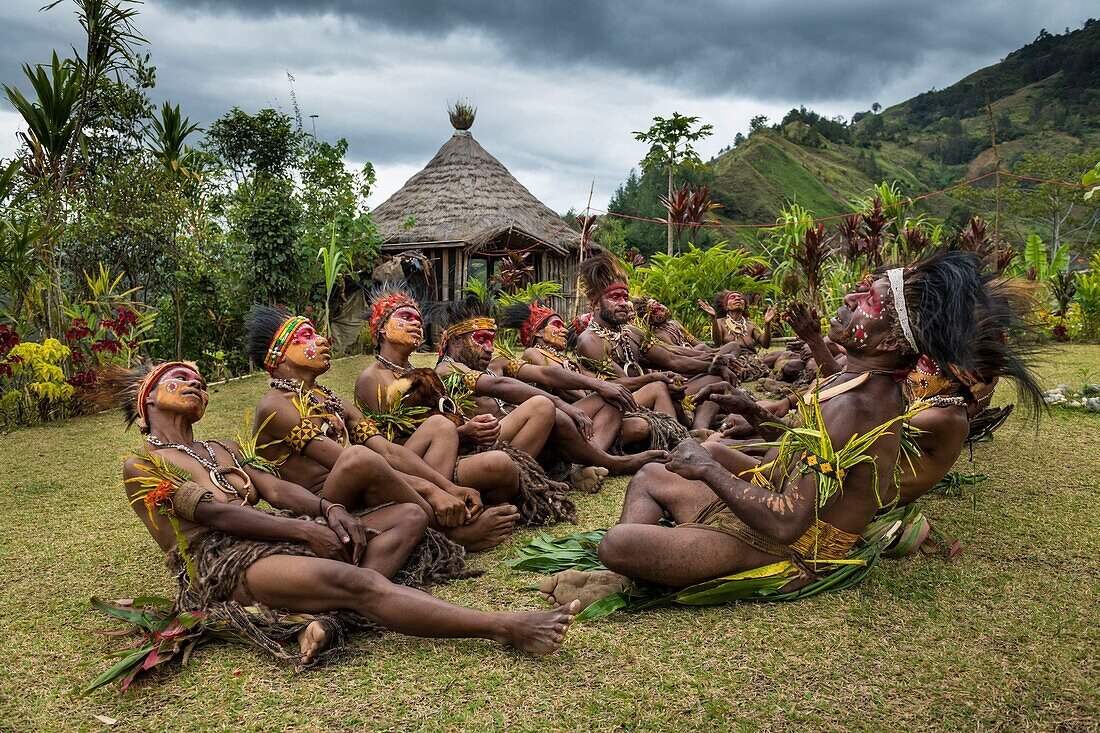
(697, 274)
(32, 383)
(1088, 299)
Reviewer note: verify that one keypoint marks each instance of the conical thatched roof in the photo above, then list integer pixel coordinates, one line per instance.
(466, 195)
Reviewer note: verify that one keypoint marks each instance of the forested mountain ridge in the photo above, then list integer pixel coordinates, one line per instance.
(1043, 98)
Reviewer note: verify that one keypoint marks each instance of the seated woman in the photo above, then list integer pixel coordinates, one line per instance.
(227, 555)
(730, 326)
(672, 334)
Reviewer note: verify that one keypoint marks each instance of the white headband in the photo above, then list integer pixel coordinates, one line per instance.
(897, 287)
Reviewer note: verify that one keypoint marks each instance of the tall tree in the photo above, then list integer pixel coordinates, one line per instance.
(670, 142)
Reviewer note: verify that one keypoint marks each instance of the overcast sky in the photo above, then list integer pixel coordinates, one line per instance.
(559, 85)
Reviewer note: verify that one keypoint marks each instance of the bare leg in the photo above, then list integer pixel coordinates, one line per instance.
(676, 556)
(634, 430)
(401, 527)
(528, 426)
(493, 474)
(314, 585)
(436, 441)
(655, 396)
(571, 445)
(655, 491)
(361, 478)
(606, 420)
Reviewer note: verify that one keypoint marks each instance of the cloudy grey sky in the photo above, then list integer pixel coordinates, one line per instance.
(559, 85)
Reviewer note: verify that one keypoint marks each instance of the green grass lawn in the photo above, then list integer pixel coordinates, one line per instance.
(1004, 637)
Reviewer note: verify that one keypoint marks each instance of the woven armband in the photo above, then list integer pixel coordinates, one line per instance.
(187, 498)
(649, 341)
(818, 464)
(364, 430)
(301, 434)
(470, 380)
(511, 369)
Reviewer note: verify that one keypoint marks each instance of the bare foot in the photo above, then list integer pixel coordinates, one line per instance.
(493, 527)
(540, 632)
(622, 465)
(588, 479)
(582, 587)
(701, 434)
(312, 640)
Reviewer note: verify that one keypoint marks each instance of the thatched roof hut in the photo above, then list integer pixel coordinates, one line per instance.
(464, 209)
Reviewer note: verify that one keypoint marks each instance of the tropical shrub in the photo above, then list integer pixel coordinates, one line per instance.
(1088, 299)
(32, 382)
(697, 274)
(107, 328)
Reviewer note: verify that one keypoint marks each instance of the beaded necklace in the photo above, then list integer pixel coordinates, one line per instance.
(217, 472)
(555, 355)
(397, 370)
(331, 402)
(620, 346)
(737, 328)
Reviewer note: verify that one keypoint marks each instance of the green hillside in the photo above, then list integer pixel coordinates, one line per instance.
(1044, 99)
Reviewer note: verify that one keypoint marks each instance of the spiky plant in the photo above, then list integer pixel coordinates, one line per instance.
(394, 418)
(247, 440)
(515, 272)
(462, 115)
(812, 256)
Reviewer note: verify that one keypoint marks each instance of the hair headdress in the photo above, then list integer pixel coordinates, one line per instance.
(461, 317)
(386, 301)
(527, 318)
(268, 331)
(601, 272)
(129, 388)
(966, 322)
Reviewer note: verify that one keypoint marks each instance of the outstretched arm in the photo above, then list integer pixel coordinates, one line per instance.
(662, 358)
(613, 394)
(738, 401)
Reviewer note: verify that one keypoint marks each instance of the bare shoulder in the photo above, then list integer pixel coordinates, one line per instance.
(534, 356)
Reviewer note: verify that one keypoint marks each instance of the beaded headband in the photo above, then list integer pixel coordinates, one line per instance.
(535, 321)
(481, 323)
(386, 307)
(282, 336)
(897, 287)
(151, 380)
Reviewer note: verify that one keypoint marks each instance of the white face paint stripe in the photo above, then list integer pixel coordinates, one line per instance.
(897, 288)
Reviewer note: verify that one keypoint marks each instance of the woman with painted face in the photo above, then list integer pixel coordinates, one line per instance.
(730, 327)
(197, 500)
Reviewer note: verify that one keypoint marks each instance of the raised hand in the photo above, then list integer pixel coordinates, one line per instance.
(770, 313)
(804, 319)
(706, 307)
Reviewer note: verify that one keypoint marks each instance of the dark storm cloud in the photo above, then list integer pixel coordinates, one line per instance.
(768, 50)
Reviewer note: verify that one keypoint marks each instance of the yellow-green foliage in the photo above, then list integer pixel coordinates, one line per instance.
(36, 389)
(697, 274)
